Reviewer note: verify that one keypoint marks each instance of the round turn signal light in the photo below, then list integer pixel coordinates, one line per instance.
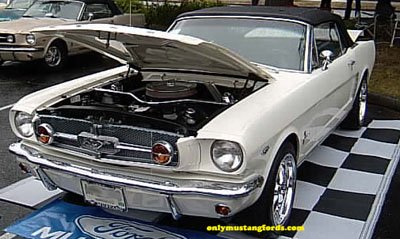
(162, 152)
(45, 134)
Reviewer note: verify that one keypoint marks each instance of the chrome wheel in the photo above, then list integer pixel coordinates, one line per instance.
(362, 101)
(284, 189)
(53, 56)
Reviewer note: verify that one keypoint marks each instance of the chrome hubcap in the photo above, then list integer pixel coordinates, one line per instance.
(362, 101)
(53, 56)
(284, 190)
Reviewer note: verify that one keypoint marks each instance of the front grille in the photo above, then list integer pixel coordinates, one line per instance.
(135, 142)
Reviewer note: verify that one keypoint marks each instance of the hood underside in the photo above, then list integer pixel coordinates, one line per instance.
(155, 50)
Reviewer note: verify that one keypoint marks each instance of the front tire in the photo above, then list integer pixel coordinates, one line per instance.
(356, 117)
(56, 56)
(274, 206)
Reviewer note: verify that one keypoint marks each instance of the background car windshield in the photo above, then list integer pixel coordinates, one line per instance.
(20, 4)
(57, 9)
(270, 42)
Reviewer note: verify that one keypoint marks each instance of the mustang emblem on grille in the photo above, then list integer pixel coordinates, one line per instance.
(91, 144)
(98, 144)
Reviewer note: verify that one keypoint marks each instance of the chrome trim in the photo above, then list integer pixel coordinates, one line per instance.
(160, 102)
(284, 190)
(66, 136)
(167, 146)
(307, 52)
(80, 15)
(21, 49)
(163, 185)
(50, 132)
(362, 97)
(133, 147)
(120, 145)
(175, 211)
(46, 181)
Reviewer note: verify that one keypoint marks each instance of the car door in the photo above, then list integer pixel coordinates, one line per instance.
(333, 84)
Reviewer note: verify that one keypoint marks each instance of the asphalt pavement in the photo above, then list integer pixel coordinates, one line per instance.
(16, 81)
(19, 79)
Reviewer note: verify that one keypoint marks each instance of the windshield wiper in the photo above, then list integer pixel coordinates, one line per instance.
(275, 69)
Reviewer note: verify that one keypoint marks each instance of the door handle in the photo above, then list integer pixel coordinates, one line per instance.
(351, 64)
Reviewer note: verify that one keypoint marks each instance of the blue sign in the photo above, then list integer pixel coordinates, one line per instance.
(61, 220)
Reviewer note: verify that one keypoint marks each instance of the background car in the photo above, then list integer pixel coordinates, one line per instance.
(4, 3)
(15, 9)
(17, 43)
(190, 127)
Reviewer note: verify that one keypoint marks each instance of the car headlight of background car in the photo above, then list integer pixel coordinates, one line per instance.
(23, 123)
(227, 155)
(10, 39)
(30, 39)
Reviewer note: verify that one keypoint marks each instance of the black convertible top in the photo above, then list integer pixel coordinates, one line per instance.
(311, 16)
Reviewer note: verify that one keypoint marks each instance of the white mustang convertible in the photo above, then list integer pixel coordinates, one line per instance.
(209, 119)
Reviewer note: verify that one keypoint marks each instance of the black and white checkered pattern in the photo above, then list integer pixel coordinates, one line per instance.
(342, 184)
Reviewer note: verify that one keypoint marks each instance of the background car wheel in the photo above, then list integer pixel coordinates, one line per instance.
(56, 56)
(276, 201)
(355, 118)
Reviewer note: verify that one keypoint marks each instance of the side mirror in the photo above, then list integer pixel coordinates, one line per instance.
(326, 56)
(90, 16)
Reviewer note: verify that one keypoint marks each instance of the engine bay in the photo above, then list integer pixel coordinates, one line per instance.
(179, 104)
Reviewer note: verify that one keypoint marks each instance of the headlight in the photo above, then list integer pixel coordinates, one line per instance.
(10, 39)
(226, 155)
(23, 123)
(30, 39)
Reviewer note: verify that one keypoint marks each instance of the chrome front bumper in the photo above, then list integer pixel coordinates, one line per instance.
(172, 190)
(16, 53)
(20, 49)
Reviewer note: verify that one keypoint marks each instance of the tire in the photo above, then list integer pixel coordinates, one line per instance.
(356, 117)
(55, 56)
(262, 211)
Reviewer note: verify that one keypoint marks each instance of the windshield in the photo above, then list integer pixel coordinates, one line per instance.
(56, 9)
(20, 4)
(269, 42)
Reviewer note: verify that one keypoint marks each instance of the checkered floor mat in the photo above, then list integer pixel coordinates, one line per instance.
(342, 184)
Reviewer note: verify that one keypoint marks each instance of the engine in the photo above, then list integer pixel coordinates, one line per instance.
(171, 105)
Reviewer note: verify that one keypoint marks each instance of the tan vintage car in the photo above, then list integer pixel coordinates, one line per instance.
(4, 3)
(17, 43)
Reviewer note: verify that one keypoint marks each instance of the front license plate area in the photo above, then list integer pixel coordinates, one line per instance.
(106, 196)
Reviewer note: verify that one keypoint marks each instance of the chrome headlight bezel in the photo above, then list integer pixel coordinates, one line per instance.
(24, 124)
(10, 39)
(226, 155)
(30, 39)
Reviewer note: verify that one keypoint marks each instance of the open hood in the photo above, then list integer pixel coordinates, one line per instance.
(146, 49)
